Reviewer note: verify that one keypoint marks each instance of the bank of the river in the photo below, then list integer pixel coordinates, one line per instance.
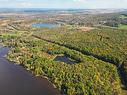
(15, 80)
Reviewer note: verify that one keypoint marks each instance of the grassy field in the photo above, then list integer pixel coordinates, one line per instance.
(122, 27)
(122, 16)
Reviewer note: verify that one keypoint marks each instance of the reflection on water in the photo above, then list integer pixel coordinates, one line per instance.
(45, 25)
(14, 80)
(3, 51)
(65, 60)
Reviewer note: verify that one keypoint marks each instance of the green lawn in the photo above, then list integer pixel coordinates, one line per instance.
(122, 26)
(122, 16)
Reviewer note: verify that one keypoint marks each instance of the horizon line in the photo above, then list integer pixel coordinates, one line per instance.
(60, 8)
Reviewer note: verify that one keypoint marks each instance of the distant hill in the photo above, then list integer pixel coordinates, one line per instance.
(43, 10)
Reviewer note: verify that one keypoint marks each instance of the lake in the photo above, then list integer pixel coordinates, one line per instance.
(65, 59)
(15, 80)
(45, 25)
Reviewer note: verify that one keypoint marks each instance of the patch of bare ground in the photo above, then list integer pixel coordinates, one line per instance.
(4, 22)
(65, 14)
(86, 29)
(14, 14)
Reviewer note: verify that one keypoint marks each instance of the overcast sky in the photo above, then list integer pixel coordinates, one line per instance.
(84, 4)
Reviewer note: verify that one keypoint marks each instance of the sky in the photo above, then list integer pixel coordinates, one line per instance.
(64, 4)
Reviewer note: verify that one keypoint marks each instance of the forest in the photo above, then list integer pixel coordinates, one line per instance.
(99, 54)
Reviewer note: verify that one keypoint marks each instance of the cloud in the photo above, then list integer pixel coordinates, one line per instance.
(24, 4)
(79, 0)
(64, 3)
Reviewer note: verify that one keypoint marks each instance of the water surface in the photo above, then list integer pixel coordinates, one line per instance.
(15, 80)
(65, 59)
(45, 25)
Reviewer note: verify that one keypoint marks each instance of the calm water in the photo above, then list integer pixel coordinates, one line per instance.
(45, 25)
(65, 60)
(15, 80)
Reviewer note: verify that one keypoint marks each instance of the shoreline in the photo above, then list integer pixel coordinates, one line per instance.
(38, 78)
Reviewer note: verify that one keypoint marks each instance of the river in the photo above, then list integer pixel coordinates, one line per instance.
(15, 80)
